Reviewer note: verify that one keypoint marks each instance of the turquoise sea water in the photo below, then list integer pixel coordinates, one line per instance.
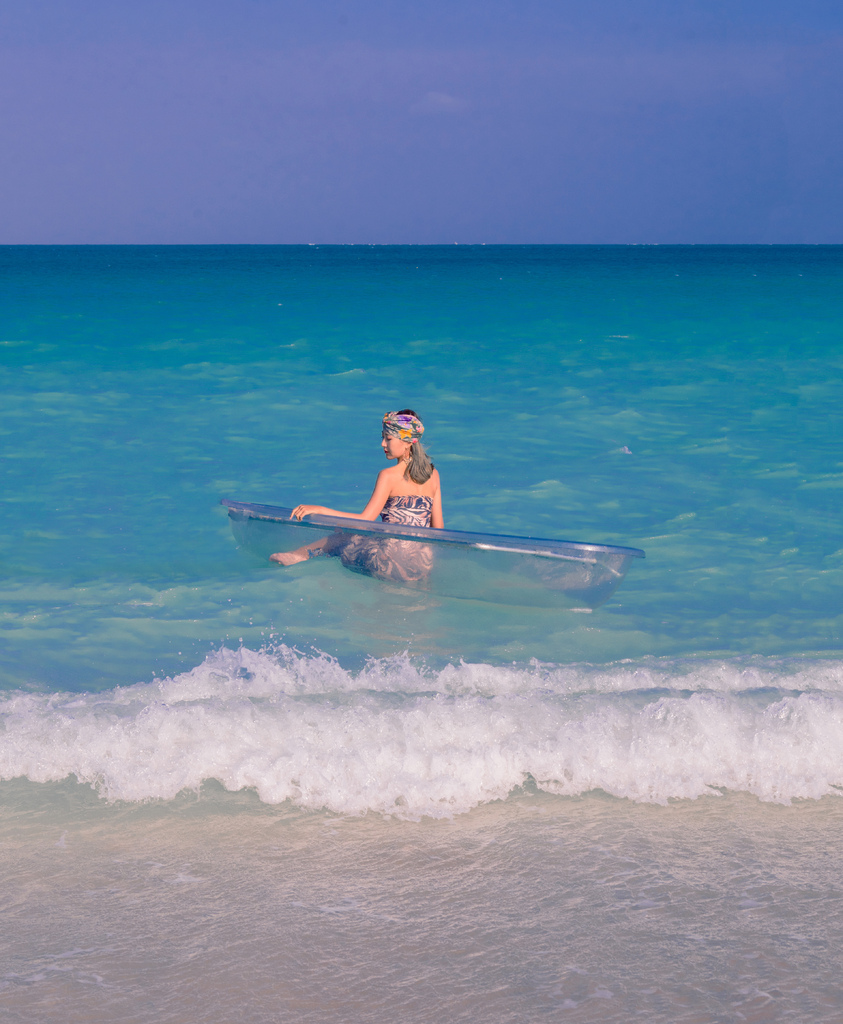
(420, 784)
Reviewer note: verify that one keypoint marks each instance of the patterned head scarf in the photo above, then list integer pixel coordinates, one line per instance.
(402, 426)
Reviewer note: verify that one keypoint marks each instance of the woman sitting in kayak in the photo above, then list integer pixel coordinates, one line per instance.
(406, 493)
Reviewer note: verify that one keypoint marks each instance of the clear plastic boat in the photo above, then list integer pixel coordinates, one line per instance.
(523, 571)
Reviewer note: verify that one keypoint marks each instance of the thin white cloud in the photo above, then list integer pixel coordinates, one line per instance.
(440, 103)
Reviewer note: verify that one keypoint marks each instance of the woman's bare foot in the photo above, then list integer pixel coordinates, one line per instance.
(289, 557)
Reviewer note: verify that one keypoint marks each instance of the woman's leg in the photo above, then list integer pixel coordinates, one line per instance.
(325, 546)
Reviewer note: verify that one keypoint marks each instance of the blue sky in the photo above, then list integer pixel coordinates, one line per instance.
(433, 121)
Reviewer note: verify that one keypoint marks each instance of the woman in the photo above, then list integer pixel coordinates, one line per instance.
(406, 493)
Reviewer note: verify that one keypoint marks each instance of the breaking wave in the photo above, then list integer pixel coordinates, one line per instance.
(397, 738)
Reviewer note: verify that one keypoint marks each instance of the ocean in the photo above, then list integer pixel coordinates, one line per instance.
(233, 791)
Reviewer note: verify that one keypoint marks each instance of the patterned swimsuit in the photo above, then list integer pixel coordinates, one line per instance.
(409, 510)
(390, 558)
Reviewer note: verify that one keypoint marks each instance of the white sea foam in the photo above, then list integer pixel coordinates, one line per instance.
(398, 739)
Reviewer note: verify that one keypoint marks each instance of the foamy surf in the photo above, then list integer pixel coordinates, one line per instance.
(398, 739)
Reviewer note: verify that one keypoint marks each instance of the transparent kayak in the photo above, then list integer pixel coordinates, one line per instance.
(521, 571)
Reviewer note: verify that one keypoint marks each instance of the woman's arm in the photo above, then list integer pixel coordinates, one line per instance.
(436, 519)
(370, 512)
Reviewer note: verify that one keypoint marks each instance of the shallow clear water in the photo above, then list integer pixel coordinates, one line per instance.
(584, 910)
(488, 792)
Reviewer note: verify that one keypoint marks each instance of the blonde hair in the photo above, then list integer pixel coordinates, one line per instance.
(419, 468)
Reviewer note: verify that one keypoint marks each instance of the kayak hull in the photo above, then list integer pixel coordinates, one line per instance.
(520, 571)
